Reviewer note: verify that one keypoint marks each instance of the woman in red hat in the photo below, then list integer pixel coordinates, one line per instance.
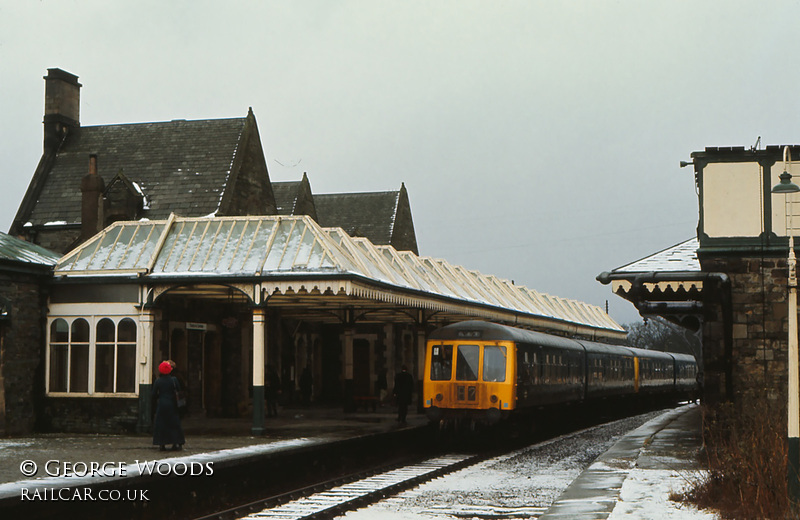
(167, 424)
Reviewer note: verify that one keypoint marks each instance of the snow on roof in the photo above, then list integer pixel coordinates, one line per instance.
(17, 250)
(297, 246)
(680, 257)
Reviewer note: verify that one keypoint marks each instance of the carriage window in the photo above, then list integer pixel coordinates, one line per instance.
(441, 362)
(494, 363)
(467, 363)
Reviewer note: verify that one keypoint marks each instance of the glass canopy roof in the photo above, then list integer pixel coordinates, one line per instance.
(279, 246)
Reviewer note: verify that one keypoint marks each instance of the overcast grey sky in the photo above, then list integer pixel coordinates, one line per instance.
(539, 140)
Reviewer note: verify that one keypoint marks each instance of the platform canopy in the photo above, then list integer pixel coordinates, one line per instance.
(680, 259)
(294, 263)
(669, 283)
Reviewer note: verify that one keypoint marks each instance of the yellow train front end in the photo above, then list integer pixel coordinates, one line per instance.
(466, 378)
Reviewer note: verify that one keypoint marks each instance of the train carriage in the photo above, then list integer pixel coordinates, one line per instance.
(686, 375)
(655, 371)
(610, 369)
(483, 371)
(549, 370)
(468, 373)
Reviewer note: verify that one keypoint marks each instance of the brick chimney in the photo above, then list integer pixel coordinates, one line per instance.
(92, 187)
(62, 100)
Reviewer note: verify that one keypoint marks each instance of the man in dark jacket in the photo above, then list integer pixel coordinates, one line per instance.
(403, 388)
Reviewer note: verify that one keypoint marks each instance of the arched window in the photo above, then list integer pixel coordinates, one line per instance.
(115, 356)
(59, 355)
(126, 356)
(98, 350)
(104, 356)
(79, 356)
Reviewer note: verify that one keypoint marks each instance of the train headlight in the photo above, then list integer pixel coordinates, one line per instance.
(493, 399)
(439, 397)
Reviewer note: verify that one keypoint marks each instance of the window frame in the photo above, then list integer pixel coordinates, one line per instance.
(501, 349)
(93, 321)
(436, 361)
(458, 357)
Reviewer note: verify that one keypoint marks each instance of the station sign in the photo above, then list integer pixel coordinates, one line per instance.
(196, 326)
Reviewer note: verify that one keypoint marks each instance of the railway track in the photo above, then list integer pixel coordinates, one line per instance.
(333, 498)
(372, 483)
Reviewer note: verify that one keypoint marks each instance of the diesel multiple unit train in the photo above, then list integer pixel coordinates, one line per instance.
(483, 372)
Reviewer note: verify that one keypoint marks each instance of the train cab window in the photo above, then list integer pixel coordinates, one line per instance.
(467, 362)
(441, 362)
(494, 363)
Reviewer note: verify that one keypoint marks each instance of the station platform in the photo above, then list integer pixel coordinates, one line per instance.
(206, 439)
(634, 479)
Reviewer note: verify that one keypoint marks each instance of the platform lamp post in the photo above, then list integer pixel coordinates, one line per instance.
(787, 187)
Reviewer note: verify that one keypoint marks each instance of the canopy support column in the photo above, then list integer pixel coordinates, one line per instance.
(144, 347)
(349, 401)
(419, 360)
(391, 353)
(259, 357)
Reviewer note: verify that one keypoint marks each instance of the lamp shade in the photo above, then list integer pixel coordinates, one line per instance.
(786, 185)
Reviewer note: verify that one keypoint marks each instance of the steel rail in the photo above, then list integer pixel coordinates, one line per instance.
(336, 496)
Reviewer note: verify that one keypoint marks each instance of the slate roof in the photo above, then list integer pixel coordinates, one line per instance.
(286, 196)
(181, 166)
(370, 215)
(15, 250)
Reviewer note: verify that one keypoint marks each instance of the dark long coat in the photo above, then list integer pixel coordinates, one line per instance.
(167, 423)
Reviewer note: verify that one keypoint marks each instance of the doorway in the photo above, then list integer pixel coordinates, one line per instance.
(197, 353)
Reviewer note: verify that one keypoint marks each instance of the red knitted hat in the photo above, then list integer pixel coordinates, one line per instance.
(164, 367)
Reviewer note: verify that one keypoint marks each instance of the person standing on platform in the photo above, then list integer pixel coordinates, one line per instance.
(167, 423)
(403, 388)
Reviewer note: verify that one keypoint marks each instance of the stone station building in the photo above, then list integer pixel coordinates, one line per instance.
(25, 272)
